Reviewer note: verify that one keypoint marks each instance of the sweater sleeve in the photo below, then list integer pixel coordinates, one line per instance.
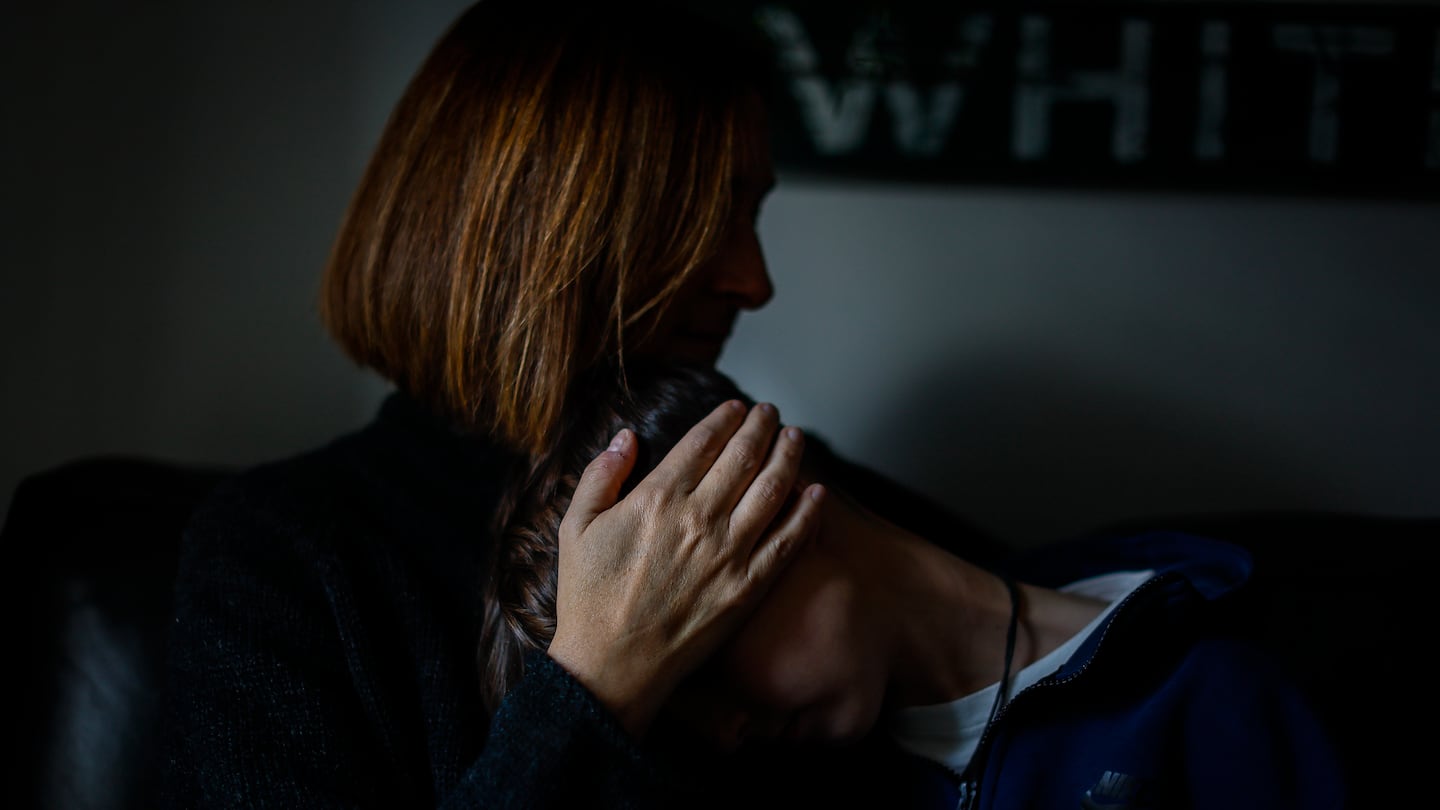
(278, 696)
(553, 744)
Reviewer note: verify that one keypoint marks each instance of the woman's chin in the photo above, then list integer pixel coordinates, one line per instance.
(695, 349)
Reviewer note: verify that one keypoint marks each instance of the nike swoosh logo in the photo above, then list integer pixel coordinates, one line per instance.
(1088, 803)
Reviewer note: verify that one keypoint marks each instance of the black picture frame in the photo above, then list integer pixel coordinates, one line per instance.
(1333, 98)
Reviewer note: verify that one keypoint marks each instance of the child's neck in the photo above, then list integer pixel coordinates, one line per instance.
(948, 618)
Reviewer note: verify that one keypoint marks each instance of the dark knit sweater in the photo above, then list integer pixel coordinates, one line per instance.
(323, 652)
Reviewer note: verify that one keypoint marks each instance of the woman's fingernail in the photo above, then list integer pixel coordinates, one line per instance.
(817, 493)
(793, 434)
(767, 408)
(618, 443)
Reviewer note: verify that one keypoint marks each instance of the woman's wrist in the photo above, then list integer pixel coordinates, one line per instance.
(633, 694)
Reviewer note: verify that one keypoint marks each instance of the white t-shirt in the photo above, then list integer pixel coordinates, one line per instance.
(949, 732)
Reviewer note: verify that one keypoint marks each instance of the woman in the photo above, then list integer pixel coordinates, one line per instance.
(1098, 676)
(561, 184)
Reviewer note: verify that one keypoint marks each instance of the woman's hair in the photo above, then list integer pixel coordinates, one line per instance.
(551, 177)
(661, 402)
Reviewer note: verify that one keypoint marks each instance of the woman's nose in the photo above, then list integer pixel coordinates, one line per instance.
(742, 276)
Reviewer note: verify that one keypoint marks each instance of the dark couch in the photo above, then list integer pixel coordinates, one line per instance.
(98, 539)
(1344, 599)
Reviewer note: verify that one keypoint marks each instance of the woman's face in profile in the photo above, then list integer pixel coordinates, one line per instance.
(700, 319)
(803, 668)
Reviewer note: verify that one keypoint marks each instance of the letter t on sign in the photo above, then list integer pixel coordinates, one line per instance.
(1432, 151)
(1325, 44)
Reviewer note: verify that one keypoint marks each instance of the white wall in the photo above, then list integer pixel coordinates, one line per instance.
(1043, 361)
(1047, 362)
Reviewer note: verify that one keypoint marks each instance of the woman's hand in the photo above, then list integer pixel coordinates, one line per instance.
(651, 586)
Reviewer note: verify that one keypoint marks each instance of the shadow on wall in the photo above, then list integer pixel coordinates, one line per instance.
(1032, 451)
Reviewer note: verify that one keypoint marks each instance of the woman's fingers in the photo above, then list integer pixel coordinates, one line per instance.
(786, 540)
(762, 500)
(689, 460)
(736, 473)
(741, 460)
(599, 485)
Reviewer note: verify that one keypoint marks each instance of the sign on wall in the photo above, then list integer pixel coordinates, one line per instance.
(1332, 98)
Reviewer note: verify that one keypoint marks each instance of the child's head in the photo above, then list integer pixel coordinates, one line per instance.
(793, 670)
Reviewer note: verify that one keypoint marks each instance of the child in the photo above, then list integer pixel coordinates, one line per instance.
(1091, 675)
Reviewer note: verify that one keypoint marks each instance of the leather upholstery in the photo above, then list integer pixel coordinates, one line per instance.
(100, 538)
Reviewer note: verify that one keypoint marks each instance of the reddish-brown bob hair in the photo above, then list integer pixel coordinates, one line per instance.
(550, 178)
